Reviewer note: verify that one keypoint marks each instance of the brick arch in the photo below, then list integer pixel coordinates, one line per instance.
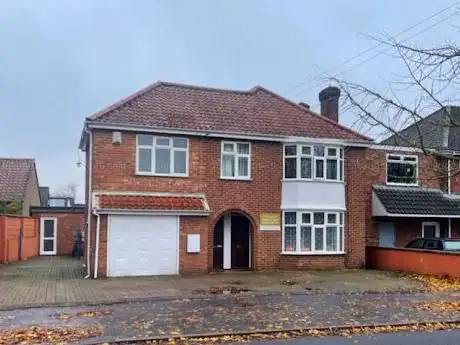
(252, 232)
(218, 217)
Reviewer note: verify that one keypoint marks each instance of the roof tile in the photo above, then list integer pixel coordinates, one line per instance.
(152, 202)
(14, 175)
(417, 201)
(257, 111)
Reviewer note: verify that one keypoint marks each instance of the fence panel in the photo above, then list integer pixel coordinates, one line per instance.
(19, 238)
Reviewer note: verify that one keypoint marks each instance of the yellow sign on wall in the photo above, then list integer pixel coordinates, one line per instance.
(270, 221)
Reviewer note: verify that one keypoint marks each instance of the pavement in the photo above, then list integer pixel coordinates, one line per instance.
(232, 314)
(449, 337)
(58, 281)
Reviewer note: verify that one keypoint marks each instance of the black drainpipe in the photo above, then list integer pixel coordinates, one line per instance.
(21, 235)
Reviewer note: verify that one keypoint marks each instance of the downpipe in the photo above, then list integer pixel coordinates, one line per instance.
(96, 250)
(90, 174)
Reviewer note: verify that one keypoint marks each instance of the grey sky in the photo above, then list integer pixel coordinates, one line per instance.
(61, 61)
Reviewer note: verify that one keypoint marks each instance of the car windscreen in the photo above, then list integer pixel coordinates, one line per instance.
(452, 245)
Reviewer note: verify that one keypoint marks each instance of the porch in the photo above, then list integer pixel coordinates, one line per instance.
(402, 214)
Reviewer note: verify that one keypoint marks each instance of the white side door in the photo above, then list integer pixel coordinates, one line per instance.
(48, 235)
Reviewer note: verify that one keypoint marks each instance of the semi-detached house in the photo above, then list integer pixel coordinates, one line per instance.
(187, 179)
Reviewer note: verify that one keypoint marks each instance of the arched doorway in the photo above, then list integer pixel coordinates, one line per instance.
(232, 242)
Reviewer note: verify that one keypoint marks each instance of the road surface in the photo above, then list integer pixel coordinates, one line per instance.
(449, 337)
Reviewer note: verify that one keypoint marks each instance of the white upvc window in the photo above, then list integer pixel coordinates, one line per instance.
(235, 160)
(162, 156)
(402, 169)
(313, 162)
(313, 232)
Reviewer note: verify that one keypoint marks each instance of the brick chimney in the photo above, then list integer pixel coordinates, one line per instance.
(329, 98)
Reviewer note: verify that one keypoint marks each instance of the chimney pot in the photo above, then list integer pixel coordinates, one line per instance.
(329, 99)
(305, 105)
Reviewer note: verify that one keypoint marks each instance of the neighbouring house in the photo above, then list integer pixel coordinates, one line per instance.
(18, 186)
(420, 197)
(185, 179)
(61, 220)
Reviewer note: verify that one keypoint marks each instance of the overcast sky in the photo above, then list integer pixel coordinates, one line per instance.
(61, 61)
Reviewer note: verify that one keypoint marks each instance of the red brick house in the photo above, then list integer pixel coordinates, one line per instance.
(193, 179)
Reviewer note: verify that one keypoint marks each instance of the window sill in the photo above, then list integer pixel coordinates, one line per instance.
(310, 180)
(160, 175)
(312, 254)
(236, 178)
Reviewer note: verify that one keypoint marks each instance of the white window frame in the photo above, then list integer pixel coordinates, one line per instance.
(171, 148)
(401, 160)
(340, 220)
(236, 155)
(339, 157)
(42, 236)
(436, 224)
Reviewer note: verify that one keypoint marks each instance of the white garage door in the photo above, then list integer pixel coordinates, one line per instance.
(142, 245)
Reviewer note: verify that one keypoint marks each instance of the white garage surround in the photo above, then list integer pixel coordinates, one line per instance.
(140, 245)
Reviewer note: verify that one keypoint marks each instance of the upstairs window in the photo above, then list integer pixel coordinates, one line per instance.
(316, 162)
(167, 156)
(402, 169)
(236, 160)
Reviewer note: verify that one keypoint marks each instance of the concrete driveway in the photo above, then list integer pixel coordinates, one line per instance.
(58, 281)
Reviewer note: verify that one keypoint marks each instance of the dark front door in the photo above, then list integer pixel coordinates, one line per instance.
(240, 242)
(218, 252)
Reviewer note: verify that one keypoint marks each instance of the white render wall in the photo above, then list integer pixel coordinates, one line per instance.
(313, 195)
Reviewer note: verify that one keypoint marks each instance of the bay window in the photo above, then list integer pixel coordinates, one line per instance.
(402, 169)
(164, 156)
(313, 232)
(236, 160)
(315, 162)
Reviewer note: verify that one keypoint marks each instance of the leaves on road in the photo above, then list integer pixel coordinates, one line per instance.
(40, 335)
(320, 332)
(225, 290)
(436, 283)
(446, 306)
(87, 313)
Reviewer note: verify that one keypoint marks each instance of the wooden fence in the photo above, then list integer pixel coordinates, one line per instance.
(414, 260)
(19, 238)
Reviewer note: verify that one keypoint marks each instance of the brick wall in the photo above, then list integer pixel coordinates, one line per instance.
(295, 262)
(410, 260)
(194, 262)
(68, 224)
(408, 229)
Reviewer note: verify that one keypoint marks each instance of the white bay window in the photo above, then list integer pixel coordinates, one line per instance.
(236, 160)
(313, 232)
(164, 156)
(318, 162)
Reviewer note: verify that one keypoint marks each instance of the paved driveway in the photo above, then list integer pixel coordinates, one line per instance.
(58, 281)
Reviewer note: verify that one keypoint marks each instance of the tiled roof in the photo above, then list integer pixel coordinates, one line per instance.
(153, 202)
(417, 201)
(14, 176)
(257, 111)
(428, 131)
